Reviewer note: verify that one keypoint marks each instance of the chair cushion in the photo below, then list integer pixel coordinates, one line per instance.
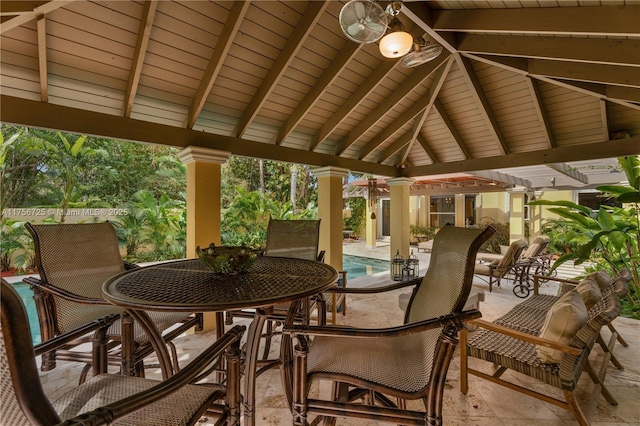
(590, 292)
(601, 278)
(177, 409)
(563, 320)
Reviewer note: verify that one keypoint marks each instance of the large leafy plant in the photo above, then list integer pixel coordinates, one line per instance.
(608, 237)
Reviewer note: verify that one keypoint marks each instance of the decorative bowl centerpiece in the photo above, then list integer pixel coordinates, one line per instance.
(227, 260)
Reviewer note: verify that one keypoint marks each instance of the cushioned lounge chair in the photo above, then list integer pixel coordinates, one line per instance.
(498, 269)
(409, 361)
(109, 398)
(74, 260)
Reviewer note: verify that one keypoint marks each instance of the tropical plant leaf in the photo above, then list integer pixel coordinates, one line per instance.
(629, 197)
(617, 239)
(615, 189)
(605, 220)
(631, 167)
(573, 216)
(561, 203)
(562, 259)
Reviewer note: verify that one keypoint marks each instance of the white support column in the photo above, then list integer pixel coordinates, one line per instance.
(203, 202)
(330, 212)
(516, 216)
(400, 236)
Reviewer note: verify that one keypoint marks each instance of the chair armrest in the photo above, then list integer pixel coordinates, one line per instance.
(340, 331)
(128, 265)
(109, 413)
(537, 278)
(525, 337)
(64, 338)
(57, 291)
(373, 290)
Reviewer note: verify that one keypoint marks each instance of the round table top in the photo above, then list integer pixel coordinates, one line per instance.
(185, 285)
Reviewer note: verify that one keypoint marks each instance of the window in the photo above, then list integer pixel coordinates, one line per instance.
(443, 210)
(594, 200)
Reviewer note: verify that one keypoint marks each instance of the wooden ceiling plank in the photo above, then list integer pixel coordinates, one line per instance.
(12, 8)
(592, 151)
(453, 130)
(425, 102)
(294, 43)
(142, 42)
(536, 96)
(572, 173)
(223, 45)
(422, 15)
(352, 102)
(591, 50)
(595, 73)
(23, 18)
(345, 55)
(396, 146)
(620, 20)
(417, 126)
(425, 145)
(42, 58)
(24, 112)
(418, 76)
(466, 67)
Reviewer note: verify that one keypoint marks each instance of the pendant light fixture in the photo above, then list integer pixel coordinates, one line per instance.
(396, 42)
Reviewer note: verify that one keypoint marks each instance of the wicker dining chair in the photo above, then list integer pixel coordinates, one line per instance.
(407, 362)
(73, 261)
(110, 398)
(498, 269)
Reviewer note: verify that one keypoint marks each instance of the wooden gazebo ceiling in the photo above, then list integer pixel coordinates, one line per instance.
(518, 83)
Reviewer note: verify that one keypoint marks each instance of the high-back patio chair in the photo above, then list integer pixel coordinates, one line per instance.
(498, 269)
(73, 261)
(109, 398)
(408, 361)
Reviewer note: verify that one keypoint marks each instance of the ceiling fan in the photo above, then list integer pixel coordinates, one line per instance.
(365, 21)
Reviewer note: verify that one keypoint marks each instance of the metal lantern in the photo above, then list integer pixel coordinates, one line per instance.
(397, 267)
(412, 266)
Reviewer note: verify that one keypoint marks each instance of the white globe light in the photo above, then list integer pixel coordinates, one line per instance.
(396, 44)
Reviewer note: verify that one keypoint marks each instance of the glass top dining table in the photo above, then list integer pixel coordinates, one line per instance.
(187, 286)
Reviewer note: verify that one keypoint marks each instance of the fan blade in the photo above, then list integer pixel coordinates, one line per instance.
(360, 12)
(354, 29)
(376, 27)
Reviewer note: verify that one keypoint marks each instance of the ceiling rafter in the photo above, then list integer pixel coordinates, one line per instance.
(418, 76)
(477, 92)
(605, 119)
(620, 21)
(144, 32)
(396, 146)
(568, 171)
(13, 8)
(453, 130)
(415, 131)
(425, 102)
(592, 151)
(354, 100)
(314, 11)
(24, 17)
(42, 58)
(536, 96)
(590, 50)
(425, 145)
(220, 51)
(345, 55)
(520, 66)
(595, 73)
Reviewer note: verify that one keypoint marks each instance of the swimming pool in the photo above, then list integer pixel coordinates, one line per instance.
(358, 266)
(27, 298)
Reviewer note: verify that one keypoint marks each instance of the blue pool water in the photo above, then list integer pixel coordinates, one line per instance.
(27, 298)
(357, 266)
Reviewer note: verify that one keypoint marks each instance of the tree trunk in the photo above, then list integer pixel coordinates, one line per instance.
(261, 164)
(294, 179)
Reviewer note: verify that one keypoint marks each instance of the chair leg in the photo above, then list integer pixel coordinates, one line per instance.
(267, 340)
(620, 339)
(575, 408)
(299, 403)
(464, 360)
(127, 345)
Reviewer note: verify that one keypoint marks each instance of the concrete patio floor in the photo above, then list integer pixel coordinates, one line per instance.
(485, 403)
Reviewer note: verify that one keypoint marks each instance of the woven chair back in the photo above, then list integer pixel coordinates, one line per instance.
(16, 353)
(293, 238)
(447, 283)
(77, 258)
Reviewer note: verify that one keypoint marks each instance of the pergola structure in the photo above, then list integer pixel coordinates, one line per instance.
(518, 83)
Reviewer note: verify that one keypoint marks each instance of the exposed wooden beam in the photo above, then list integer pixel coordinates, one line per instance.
(596, 73)
(475, 88)
(144, 31)
(23, 18)
(12, 8)
(345, 55)
(422, 15)
(567, 171)
(605, 119)
(418, 123)
(229, 31)
(452, 129)
(418, 76)
(425, 145)
(354, 100)
(396, 146)
(521, 66)
(24, 112)
(42, 58)
(536, 96)
(591, 50)
(592, 20)
(425, 102)
(605, 149)
(619, 93)
(312, 14)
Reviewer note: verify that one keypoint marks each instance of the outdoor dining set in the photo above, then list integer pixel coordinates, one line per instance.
(112, 317)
